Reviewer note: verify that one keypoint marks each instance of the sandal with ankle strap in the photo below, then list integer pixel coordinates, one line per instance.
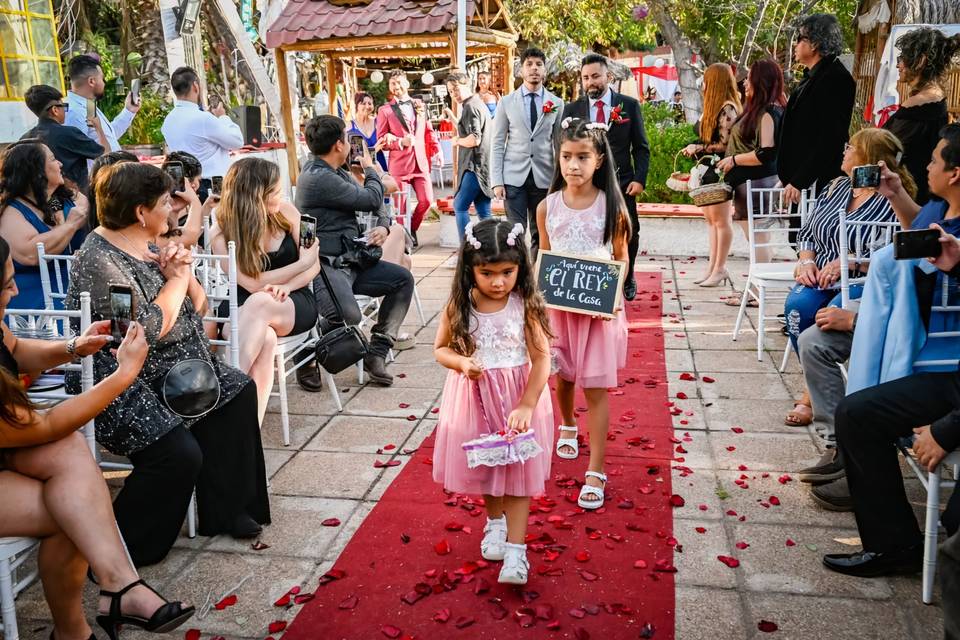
(590, 490)
(568, 442)
(168, 617)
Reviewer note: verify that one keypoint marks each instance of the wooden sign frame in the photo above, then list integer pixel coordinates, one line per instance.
(618, 304)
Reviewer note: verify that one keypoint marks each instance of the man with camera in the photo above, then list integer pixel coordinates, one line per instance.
(327, 192)
(925, 405)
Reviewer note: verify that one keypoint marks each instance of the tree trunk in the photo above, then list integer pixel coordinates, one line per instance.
(752, 34)
(683, 53)
(147, 39)
(928, 11)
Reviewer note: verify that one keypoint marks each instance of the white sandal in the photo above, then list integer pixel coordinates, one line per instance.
(590, 490)
(494, 539)
(568, 442)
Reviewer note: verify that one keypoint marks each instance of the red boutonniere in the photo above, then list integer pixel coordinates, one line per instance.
(549, 107)
(615, 116)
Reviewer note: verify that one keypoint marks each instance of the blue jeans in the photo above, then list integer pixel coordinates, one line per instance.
(469, 193)
(803, 302)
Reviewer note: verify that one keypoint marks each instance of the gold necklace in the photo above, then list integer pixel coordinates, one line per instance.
(131, 245)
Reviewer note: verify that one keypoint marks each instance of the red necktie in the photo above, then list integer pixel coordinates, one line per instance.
(600, 116)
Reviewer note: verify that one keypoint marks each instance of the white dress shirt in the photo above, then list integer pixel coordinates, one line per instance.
(537, 98)
(606, 99)
(76, 116)
(209, 138)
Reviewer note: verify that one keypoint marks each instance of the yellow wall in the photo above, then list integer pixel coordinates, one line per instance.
(29, 50)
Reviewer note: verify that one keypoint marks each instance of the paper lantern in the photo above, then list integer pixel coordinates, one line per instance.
(427, 78)
(376, 77)
(659, 63)
(649, 60)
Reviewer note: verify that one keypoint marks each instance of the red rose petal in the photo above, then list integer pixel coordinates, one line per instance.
(277, 626)
(687, 377)
(283, 601)
(640, 564)
(731, 448)
(589, 576)
(681, 395)
(707, 379)
(701, 529)
(766, 626)
(791, 543)
(377, 464)
(577, 613)
(677, 501)
(442, 548)
(192, 634)
(775, 501)
(784, 479)
(412, 418)
(259, 546)
(333, 574)
(229, 601)
(441, 616)
(331, 522)
(583, 556)
(390, 631)
(464, 621)
(581, 634)
(389, 447)
(453, 526)
(349, 602)
(741, 545)
(304, 598)
(404, 405)
(736, 429)
(730, 561)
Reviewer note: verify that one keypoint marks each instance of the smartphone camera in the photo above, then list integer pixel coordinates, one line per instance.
(357, 147)
(216, 185)
(175, 171)
(135, 91)
(922, 243)
(308, 231)
(867, 175)
(121, 311)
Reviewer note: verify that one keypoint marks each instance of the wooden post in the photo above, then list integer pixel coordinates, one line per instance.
(453, 51)
(286, 115)
(507, 70)
(332, 84)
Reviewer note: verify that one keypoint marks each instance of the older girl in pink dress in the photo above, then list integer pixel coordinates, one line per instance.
(585, 215)
(494, 338)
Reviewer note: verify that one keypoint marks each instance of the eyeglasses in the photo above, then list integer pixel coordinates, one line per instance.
(847, 146)
(801, 38)
(62, 105)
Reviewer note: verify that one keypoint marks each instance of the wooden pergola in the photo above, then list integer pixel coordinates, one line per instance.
(396, 29)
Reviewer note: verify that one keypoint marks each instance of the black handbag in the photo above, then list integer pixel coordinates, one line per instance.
(343, 345)
(190, 388)
(357, 255)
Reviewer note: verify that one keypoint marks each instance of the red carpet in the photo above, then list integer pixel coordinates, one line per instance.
(411, 570)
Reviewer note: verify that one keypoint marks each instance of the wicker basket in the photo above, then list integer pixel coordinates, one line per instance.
(711, 193)
(678, 180)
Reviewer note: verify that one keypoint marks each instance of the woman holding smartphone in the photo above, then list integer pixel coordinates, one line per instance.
(274, 270)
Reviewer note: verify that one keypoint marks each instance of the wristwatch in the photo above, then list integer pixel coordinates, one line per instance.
(72, 346)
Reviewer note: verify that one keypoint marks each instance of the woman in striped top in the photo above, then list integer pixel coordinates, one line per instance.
(818, 269)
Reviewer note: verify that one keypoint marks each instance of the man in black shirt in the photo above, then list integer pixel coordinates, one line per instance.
(69, 145)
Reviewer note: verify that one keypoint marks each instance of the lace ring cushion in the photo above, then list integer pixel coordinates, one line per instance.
(500, 338)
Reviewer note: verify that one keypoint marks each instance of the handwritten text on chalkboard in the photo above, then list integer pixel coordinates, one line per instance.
(580, 285)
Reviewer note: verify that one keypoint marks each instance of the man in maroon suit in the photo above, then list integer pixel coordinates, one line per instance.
(411, 146)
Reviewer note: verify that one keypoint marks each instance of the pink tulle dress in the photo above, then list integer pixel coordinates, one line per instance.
(474, 408)
(587, 351)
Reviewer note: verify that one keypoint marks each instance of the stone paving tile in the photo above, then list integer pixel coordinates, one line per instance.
(698, 565)
(752, 415)
(697, 489)
(768, 564)
(796, 505)
(729, 361)
(759, 386)
(331, 475)
(425, 374)
(301, 402)
(805, 618)
(678, 360)
(302, 428)
(385, 402)
(361, 434)
(708, 614)
(761, 451)
(275, 459)
(296, 529)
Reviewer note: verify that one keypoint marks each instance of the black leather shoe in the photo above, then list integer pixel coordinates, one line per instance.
(308, 377)
(416, 242)
(630, 289)
(376, 368)
(245, 527)
(868, 564)
(833, 496)
(829, 468)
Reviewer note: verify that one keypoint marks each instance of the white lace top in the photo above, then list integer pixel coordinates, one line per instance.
(578, 231)
(501, 341)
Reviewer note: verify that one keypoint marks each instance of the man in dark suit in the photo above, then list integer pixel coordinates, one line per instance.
(628, 141)
(816, 122)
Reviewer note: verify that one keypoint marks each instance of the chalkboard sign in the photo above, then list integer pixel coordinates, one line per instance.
(590, 286)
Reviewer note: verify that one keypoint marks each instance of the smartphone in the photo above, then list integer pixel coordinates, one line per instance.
(135, 91)
(216, 185)
(308, 231)
(357, 147)
(121, 311)
(175, 171)
(91, 109)
(922, 243)
(867, 175)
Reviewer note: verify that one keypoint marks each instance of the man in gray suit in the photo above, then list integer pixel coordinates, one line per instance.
(524, 131)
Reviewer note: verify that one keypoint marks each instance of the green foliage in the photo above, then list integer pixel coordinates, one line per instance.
(146, 126)
(377, 90)
(584, 22)
(105, 50)
(666, 137)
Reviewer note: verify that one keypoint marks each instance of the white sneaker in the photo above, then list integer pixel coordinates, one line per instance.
(494, 537)
(515, 566)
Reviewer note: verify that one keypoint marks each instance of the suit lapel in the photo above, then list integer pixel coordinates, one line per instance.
(547, 97)
(399, 113)
(524, 110)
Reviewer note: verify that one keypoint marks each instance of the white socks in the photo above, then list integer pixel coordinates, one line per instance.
(494, 538)
(515, 568)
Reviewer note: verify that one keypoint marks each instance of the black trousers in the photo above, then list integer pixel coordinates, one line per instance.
(521, 204)
(868, 424)
(949, 566)
(633, 246)
(221, 455)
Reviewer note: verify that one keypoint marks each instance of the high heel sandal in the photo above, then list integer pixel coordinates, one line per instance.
(717, 279)
(167, 618)
(703, 277)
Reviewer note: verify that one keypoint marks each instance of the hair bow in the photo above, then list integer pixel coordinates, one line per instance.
(470, 238)
(514, 232)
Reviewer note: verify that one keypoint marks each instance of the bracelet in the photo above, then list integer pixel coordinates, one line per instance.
(806, 261)
(72, 346)
(734, 158)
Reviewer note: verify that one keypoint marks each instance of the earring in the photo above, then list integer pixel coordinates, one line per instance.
(143, 224)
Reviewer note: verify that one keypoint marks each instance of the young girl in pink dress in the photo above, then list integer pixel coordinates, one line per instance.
(495, 339)
(585, 215)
